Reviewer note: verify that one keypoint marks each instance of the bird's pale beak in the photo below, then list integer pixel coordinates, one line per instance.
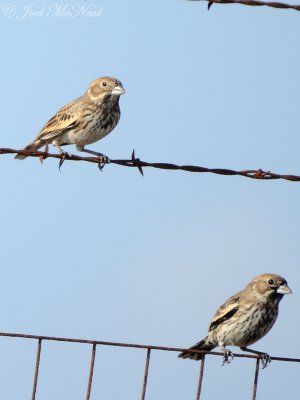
(118, 90)
(284, 289)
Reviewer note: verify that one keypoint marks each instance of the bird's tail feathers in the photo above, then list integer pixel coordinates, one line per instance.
(30, 147)
(204, 344)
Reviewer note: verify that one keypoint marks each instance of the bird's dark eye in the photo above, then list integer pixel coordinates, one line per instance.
(270, 282)
(103, 84)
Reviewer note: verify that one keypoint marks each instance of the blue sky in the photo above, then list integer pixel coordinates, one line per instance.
(119, 257)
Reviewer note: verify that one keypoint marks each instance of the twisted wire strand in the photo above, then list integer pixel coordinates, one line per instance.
(255, 3)
(134, 162)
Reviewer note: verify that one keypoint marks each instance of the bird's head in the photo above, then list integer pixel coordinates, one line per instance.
(270, 285)
(105, 87)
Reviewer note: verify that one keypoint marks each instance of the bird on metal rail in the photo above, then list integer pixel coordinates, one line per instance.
(244, 318)
(84, 121)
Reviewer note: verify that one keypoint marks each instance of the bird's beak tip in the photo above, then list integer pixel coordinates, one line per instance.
(284, 290)
(118, 90)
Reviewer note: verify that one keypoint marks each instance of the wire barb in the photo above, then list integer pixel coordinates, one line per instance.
(134, 162)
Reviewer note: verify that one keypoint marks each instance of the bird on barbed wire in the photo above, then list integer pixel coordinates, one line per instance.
(244, 318)
(84, 121)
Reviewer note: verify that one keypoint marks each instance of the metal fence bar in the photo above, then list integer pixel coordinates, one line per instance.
(37, 366)
(146, 374)
(200, 380)
(88, 393)
(255, 380)
(141, 346)
(94, 344)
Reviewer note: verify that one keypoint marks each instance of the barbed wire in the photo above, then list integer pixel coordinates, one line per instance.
(134, 162)
(256, 3)
(149, 348)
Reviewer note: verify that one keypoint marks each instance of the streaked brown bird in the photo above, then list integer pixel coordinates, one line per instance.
(84, 121)
(244, 318)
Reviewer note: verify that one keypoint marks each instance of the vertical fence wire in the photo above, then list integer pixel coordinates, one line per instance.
(255, 379)
(148, 347)
(200, 380)
(37, 366)
(89, 388)
(146, 374)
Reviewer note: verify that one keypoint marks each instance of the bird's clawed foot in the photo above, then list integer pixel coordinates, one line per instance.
(264, 357)
(228, 357)
(265, 360)
(65, 156)
(103, 160)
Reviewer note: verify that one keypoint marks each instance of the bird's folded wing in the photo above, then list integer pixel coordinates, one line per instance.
(66, 118)
(226, 311)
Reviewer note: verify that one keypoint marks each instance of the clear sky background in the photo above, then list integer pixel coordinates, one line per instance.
(120, 257)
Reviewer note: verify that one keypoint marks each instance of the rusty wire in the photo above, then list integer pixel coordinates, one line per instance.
(37, 367)
(254, 391)
(88, 393)
(146, 374)
(137, 163)
(149, 348)
(256, 3)
(200, 380)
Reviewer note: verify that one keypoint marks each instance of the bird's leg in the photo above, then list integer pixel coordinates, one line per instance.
(228, 355)
(264, 357)
(45, 151)
(103, 159)
(65, 155)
